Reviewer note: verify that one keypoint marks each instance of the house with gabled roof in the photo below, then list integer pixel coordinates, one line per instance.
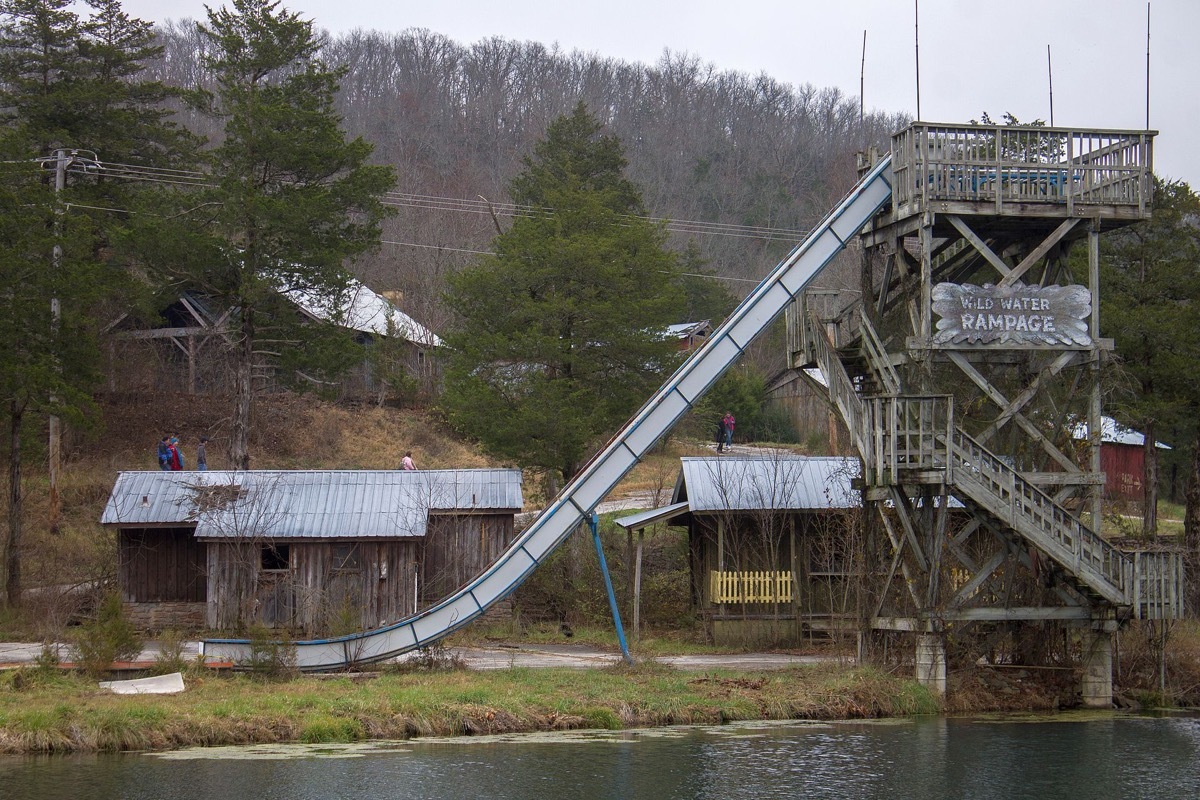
(307, 551)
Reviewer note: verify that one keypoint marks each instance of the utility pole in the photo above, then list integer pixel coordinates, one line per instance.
(54, 454)
(63, 159)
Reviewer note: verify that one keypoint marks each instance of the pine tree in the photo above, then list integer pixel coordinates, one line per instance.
(65, 83)
(292, 199)
(560, 333)
(1151, 280)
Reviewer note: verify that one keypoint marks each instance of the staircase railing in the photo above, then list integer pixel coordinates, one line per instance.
(908, 433)
(841, 390)
(1158, 580)
(876, 355)
(992, 483)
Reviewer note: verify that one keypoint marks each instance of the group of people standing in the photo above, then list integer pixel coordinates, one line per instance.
(725, 432)
(170, 458)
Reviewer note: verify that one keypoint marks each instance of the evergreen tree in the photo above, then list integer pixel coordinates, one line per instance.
(65, 83)
(560, 334)
(47, 365)
(1151, 278)
(292, 198)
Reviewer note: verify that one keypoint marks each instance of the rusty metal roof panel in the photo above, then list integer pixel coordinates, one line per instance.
(307, 504)
(775, 481)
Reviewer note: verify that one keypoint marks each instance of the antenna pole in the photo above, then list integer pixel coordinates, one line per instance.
(917, 50)
(862, 79)
(1050, 74)
(1147, 66)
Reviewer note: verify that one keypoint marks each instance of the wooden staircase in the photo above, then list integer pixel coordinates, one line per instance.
(907, 439)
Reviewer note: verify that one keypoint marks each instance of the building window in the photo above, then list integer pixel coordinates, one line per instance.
(345, 557)
(276, 557)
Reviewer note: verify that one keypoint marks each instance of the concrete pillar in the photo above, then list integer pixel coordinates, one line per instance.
(1097, 669)
(931, 663)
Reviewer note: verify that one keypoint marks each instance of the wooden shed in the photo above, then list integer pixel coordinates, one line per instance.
(308, 551)
(1122, 459)
(771, 543)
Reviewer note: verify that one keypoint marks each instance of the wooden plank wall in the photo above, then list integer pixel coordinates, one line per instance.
(314, 596)
(160, 565)
(460, 547)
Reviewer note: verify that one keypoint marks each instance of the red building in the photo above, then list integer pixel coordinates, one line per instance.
(1122, 459)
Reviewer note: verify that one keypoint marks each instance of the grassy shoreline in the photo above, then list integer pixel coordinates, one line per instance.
(45, 712)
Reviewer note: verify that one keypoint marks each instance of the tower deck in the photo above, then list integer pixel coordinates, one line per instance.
(1017, 177)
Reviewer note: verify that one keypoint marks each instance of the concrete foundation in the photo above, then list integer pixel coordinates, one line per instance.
(1097, 669)
(931, 663)
(163, 616)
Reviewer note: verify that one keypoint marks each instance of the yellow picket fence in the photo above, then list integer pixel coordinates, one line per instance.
(750, 587)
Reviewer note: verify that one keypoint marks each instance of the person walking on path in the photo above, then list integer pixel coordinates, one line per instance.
(720, 434)
(202, 455)
(728, 421)
(407, 462)
(176, 457)
(164, 453)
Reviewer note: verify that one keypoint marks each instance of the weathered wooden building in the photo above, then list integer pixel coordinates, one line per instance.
(690, 335)
(190, 349)
(306, 551)
(771, 541)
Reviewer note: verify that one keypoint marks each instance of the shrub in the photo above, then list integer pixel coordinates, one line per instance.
(106, 638)
(434, 657)
(270, 657)
(170, 653)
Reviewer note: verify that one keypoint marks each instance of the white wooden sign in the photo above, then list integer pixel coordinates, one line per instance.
(1012, 315)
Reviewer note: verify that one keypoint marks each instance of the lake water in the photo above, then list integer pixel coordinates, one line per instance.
(1090, 757)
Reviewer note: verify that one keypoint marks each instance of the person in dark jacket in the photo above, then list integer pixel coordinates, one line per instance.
(720, 435)
(164, 453)
(202, 455)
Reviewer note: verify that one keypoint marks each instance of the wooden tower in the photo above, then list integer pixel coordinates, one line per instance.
(963, 373)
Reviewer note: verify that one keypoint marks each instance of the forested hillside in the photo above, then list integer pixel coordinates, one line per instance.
(740, 165)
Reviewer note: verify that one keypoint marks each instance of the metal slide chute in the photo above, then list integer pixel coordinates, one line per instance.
(610, 465)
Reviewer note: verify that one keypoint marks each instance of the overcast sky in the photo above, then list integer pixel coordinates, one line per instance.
(975, 56)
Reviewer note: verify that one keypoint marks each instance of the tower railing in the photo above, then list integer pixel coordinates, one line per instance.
(1016, 164)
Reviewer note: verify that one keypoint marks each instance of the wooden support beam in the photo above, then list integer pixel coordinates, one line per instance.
(898, 547)
(1064, 478)
(1039, 252)
(978, 579)
(904, 510)
(1017, 613)
(979, 244)
(999, 399)
(1027, 394)
(901, 624)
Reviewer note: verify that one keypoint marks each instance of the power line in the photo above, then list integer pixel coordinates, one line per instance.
(168, 176)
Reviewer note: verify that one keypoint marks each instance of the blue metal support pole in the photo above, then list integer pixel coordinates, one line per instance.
(594, 523)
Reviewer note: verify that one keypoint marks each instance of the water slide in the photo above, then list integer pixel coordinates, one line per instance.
(576, 501)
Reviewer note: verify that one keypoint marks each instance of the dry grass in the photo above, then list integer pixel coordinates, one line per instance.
(658, 470)
(287, 432)
(1139, 670)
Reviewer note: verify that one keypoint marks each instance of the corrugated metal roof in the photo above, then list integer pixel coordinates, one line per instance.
(307, 504)
(773, 481)
(1113, 432)
(644, 518)
(364, 310)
